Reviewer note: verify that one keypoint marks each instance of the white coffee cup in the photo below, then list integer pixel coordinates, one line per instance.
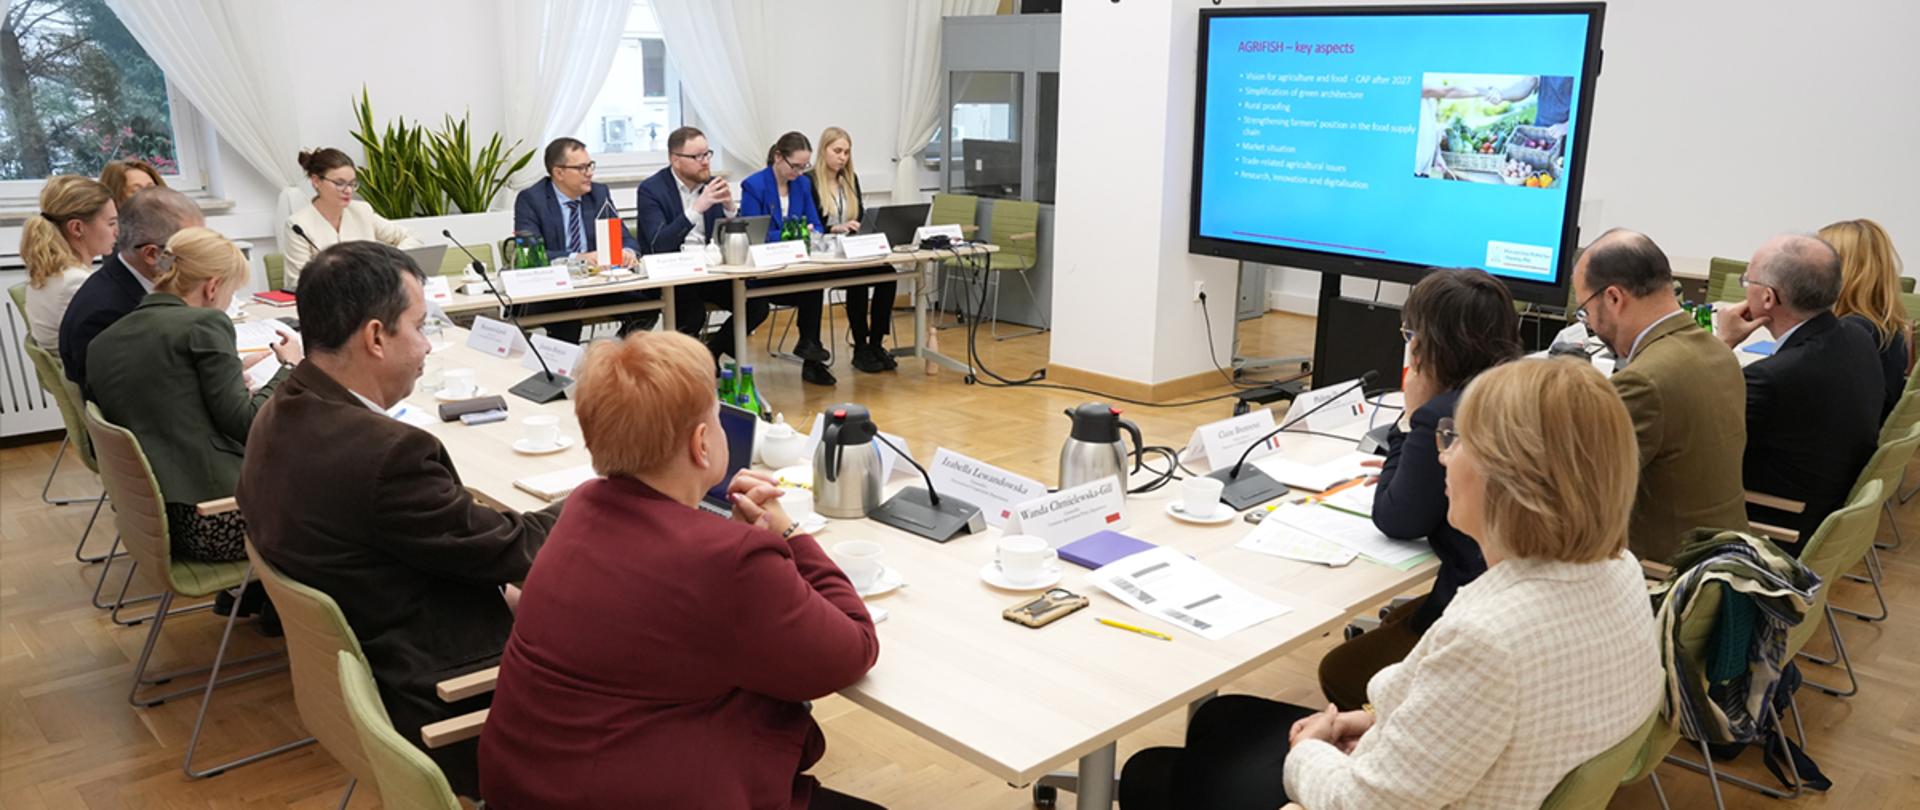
(860, 560)
(542, 431)
(1200, 496)
(458, 382)
(1023, 558)
(798, 502)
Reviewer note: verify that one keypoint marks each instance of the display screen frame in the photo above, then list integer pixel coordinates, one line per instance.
(1554, 293)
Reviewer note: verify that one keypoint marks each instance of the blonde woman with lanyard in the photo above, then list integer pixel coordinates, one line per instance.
(836, 191)
(171, 372)
(75, 225)
(1870, 298)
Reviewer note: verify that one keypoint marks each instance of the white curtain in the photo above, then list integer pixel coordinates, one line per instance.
(555, 56)
(715, 44)
(225, 57)
(920, 84)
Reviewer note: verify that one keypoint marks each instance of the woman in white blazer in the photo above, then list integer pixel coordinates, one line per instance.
(334, 216)
(1546, 660)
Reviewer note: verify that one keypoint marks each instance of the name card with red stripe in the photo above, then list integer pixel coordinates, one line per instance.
(536, 281)
(994, 490)
(1072, 513)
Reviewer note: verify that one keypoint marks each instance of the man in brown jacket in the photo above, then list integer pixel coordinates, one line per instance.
(343, 498)
(1681, 386)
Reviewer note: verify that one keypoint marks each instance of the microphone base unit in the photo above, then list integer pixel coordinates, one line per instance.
(542, 387)
(912, 510)
(1248, 489)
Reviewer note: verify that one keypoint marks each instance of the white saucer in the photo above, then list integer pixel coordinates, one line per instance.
(991, 573)
(445, 395)
(888, 582)
(521, 446)
(1222, 513)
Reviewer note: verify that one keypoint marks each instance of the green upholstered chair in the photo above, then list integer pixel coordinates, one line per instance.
(317, 635)
(276, 265)
(1591, 786)
(1014, 227)
(407, 778)
(1723, 281)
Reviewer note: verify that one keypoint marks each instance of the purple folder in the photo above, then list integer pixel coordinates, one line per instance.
(1098, 549)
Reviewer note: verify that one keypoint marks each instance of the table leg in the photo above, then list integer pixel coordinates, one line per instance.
(739, 320)
(920, 287)
(668, 322)
(1096, 780)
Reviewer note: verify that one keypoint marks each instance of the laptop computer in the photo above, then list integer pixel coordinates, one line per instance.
(429, 257)
(739, 424)
(898, 222)
(756, 228)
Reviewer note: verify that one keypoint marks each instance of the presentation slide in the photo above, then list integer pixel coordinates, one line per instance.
(1439, 140)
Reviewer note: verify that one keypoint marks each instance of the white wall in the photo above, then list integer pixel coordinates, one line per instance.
(1718, 123)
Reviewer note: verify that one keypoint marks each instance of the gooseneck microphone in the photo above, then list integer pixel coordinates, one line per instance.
(543, 387)
(933, 497)
(1247, 487)
(302, 233)
(924, 512)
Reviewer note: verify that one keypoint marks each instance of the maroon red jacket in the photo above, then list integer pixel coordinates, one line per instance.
(660, 658)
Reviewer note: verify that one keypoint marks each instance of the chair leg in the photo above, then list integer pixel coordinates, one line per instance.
(141, 678)
(1873, 576)
(1907, 495)
(348, 795)
(1658, 791)
(120, 602)
(1892, 523)
(80, 549)
(58, 457)
(206, 701)
(1045, 323)
(1846, 661)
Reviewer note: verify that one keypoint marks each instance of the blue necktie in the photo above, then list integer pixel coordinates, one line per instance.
(576, 230)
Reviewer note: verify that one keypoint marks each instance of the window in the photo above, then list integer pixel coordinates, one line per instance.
(637, 108)
(79, 91)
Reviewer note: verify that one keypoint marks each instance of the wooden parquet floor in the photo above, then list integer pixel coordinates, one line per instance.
(69, 740)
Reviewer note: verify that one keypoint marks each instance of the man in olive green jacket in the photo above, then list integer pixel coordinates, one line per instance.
(1681, 386)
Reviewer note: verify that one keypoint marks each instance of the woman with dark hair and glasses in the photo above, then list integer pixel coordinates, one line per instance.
(334, 216)
(1457, 323)
(782, 191)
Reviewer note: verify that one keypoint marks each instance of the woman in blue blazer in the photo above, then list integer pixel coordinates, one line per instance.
(780, 191)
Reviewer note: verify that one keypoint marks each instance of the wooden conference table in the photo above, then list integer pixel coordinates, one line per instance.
(1016, 702)
(914, 267)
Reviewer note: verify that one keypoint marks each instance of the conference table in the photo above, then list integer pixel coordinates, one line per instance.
(1016, 702)
(915, 267)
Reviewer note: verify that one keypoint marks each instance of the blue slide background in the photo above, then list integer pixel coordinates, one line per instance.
(1412, 219)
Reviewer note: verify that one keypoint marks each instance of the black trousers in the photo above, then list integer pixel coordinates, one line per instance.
(1235, 758)
(690, 302)
(569, 331)
(870, 323)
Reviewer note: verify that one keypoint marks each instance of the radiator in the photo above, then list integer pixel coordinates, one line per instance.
(24, 406)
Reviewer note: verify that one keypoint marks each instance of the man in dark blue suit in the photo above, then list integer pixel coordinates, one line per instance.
(561, 210)
(147, 221)
(668, 205)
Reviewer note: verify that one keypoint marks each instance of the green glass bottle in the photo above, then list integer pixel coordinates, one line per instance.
(727, 385)
(750, 394)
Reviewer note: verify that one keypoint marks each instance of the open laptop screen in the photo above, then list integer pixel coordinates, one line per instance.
(738, 423)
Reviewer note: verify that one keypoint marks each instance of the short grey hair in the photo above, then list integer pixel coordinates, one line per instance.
(154, 215)
(1804, 269)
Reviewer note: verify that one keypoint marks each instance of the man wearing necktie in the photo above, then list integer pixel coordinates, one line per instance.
(562, 210)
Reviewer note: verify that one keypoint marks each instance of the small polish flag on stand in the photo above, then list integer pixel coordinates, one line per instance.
(611, 252)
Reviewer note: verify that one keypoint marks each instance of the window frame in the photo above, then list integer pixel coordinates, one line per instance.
(620, 164)
(188, 152)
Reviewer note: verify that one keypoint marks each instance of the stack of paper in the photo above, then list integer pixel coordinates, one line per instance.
(1351, 531)
(557, 484)
(1316, 477)
(1281, 540)
(1169, 585)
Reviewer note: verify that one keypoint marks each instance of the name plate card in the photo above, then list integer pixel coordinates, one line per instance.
(438, 290)
(675, 265)
(1225, 440)
(996, 491)
(498, 338)
(865, 246)
(560, 355)
(1339, 406)
(1072, 513)
(777, 254)
(951, 231)
(536, 281)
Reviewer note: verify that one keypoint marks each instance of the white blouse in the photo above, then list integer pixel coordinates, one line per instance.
(47, 304)
(357, 222)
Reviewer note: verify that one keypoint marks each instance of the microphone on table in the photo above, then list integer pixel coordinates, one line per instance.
(543, 387)
(1247, 487)
(923, 511)
(302, 233)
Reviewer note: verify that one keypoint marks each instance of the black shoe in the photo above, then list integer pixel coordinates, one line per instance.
(816, 373)
(812, 350)
(269, 622)
(886, 357)
(867, 359)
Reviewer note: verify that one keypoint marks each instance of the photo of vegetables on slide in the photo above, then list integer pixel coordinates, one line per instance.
(1493, 128)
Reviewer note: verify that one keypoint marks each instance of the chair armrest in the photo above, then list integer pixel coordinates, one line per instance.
(460, 688)
(453, 729)
(220, 506)
(969, 230)
(1777, 533)
(1022, 237)
(1775, 502)
(1655, 571)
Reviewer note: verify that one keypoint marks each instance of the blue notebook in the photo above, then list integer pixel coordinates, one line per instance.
(1764, 348)
(1098, 549)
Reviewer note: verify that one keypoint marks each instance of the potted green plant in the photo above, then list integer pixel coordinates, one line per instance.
(397, 175)
(471, 178)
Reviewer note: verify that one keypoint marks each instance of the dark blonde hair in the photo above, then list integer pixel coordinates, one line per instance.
(194, 256)
(1869, 276)
(114, 177)
(639, 398)
(43, 238)
(1559, 458)
(824, 182)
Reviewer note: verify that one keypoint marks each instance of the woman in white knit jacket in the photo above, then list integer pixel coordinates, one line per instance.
(335, 216)
(1545, 661)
